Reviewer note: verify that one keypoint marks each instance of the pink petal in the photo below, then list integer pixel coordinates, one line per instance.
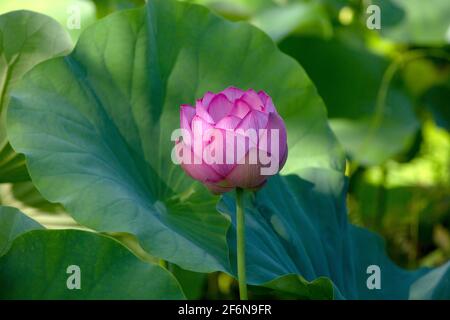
(240, 109)
(249, 129)
(198, 171)
(219, 107)
(236, 147)
(229, 122)
(187, 112)
(210, 141)
(233, 93)
(201, 111)
(207, 98)
(267, 101)
(265, 140)
(253, 100)
(216, 149)
(246, 175)
(254, 120)
(200, 128)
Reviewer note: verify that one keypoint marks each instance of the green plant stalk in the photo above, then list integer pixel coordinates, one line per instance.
(240, 230)
(396, 65)
(381, 199)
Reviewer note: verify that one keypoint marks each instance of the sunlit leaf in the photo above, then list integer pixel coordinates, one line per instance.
(415, 21)
(12, 224)
(278, 18)
(73, 15)
(307, 18)
(26, 39)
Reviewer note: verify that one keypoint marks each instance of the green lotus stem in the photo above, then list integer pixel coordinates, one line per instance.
(240, 230)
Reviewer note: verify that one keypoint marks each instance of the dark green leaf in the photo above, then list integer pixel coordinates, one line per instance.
(192, 283)
(293, 286)
(36, 267)
(299, 226)
(437, 100)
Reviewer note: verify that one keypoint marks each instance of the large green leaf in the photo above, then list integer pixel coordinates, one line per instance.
(12, 224)
(36, 267)
(26, 39)
(298, 226)
(96, 133)
(369, 112)
(415, 21)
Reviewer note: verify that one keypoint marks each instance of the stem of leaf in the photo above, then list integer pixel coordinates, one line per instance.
(240, 230)
(381, 199)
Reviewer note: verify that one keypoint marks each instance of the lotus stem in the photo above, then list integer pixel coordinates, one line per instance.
(240, 230)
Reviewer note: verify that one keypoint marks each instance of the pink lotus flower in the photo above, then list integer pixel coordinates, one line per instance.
(232, 139)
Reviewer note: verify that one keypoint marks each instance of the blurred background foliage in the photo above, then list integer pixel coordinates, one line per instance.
(388, 97)
(387, 93)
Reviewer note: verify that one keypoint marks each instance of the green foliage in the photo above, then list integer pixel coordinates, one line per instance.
(63, 11)
(13, 223)
(26, 39)
(293, 286)
(408, 203)
(192, 283)
(95, 127)
(105, 7)
(373, 118)
(276, 18)
(437, 99)
(327, 245)
(105, 116)
(415, 21)
(108, 270)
